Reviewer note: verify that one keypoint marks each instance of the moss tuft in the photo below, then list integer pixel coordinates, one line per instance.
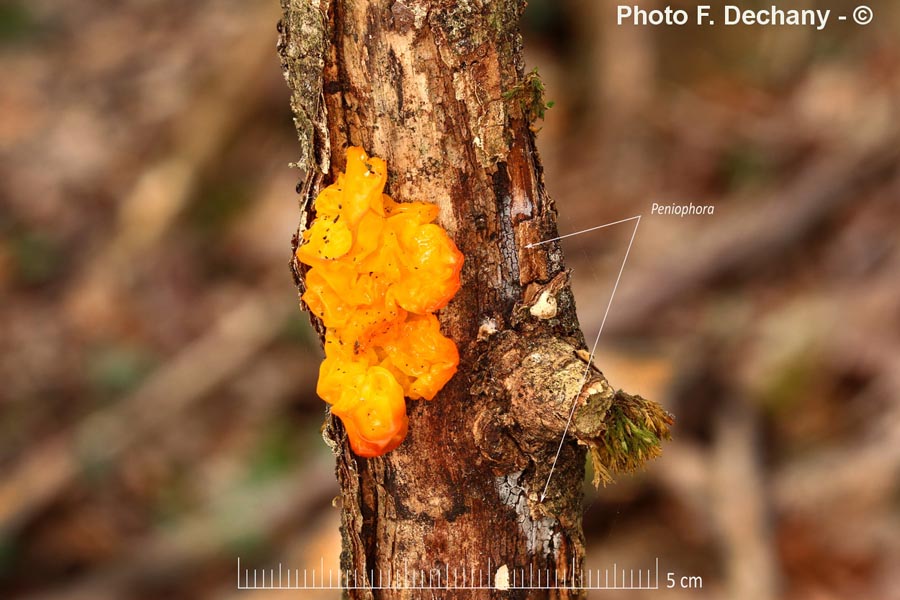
(530, 93)
(635, 428)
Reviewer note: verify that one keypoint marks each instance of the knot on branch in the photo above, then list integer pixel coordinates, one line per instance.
(545, 388)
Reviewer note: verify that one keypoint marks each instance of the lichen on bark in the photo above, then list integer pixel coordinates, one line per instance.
(302, 43)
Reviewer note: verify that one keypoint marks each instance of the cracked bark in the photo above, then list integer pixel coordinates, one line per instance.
(437, 89)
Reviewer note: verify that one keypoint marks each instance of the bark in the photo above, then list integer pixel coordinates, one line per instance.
(437, 88)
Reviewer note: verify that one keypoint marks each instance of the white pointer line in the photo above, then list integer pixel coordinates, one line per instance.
(582, 231)
(594, 347)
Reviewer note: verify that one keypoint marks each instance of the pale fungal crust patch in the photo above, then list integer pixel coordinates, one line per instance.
(487, 328)
(538, 530)
(545, 307)
(599, 386)
(488, 124)
(542, 299)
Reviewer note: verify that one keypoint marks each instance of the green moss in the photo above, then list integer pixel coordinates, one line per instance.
(635, 428)
(530, 94)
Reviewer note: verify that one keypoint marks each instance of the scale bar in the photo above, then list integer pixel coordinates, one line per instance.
(439, 579)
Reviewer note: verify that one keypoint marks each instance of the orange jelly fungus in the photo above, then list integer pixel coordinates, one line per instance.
(379, 269)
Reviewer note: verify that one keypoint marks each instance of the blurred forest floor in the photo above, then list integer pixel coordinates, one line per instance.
(158, 416)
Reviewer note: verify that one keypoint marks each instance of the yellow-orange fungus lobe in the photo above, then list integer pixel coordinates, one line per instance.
(378, 271)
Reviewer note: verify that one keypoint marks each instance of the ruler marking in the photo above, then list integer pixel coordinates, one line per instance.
(568, 578)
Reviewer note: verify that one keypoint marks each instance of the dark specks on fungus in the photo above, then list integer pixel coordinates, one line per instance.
(379, 270)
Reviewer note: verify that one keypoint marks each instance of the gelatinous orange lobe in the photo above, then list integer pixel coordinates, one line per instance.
(374, 413)
(370, 322)
(326, 239)
(367, 240)
(385, 260)
(338, 378)
(330, 201)
(379, 268)
(422, 212)
(324, 302)
(353, 289)
(368, 448)
(363, 184)
(423, 354)
(336, 347)
(431, 265)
